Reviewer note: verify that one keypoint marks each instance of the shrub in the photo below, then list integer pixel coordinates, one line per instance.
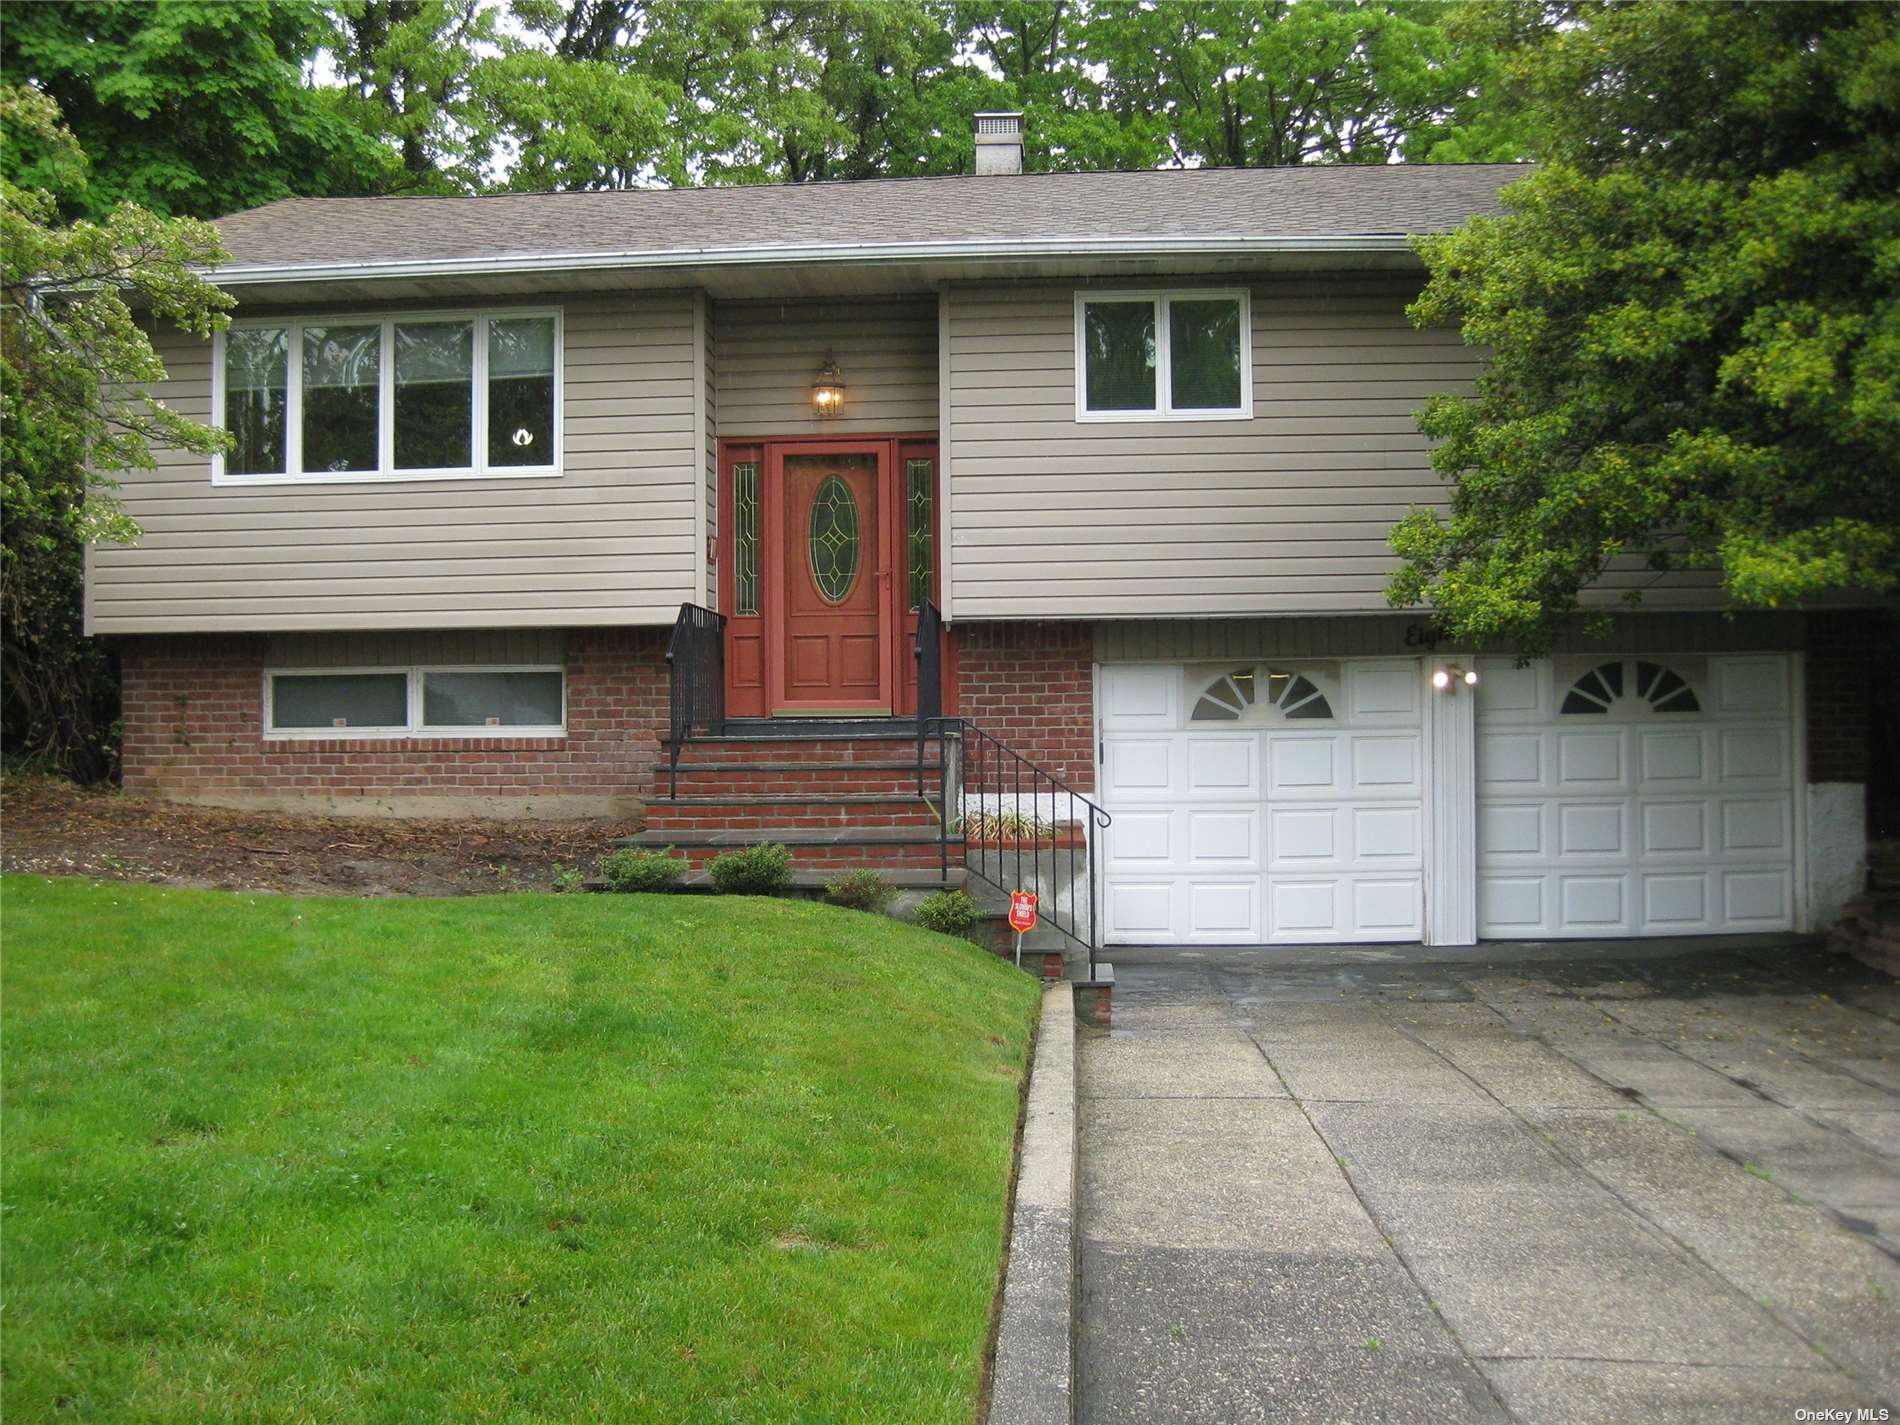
(567, 879)
(630, 870)
(860, 890)
(947, 913)
(762, 870)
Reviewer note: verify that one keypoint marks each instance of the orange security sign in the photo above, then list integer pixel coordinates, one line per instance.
(1022, 912)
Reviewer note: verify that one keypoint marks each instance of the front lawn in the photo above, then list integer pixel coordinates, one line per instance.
(516, 1157)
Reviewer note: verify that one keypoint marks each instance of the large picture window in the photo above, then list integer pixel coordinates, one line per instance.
(1163, 356)
(417, 397)
(415, 702)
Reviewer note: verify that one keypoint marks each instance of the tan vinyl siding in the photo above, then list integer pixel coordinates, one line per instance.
(609, 541)
(766, 354)
(1286, 512)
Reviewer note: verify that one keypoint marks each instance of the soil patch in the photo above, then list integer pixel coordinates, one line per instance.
(54, 828)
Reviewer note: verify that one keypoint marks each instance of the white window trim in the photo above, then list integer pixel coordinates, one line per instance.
(386, 471)
(1164, 410)
(415, 727)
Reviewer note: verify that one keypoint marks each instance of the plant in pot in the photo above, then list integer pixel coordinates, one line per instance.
(1014, 828)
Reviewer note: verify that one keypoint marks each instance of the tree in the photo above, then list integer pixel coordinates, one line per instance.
(1693, 317)
(1290, 81)
(190, 107)
(737, 92)
(413, 76)
(76, 369)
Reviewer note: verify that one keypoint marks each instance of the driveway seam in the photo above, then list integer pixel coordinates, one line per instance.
(1747, 1085)
(1650, 1224)
(1840, 1069)
(1840, 1218)
(1398, 1255)
(1643, 1102)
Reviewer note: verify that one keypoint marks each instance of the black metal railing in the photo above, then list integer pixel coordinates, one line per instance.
(1021, 828)
(696, 677)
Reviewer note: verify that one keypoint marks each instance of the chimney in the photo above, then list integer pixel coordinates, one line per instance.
(999, 143)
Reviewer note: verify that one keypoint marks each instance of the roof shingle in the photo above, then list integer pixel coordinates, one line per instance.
(1314, 203)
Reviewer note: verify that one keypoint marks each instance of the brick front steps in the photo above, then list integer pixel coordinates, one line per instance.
(843, 798)
(822, 779)
(839, 799)
(689, 816)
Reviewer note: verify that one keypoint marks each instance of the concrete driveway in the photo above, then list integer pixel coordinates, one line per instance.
(1655, 1182)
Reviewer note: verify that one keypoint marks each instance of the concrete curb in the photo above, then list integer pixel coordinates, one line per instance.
(1033, 1381)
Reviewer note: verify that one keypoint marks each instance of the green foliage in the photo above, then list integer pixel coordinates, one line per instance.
(1290, 82)
(418, 81)
(201, 108)
(191, 107)
(762, 870)
(630, 869)
(860, 890)
(567, 879)
(76, 371)
(1693, 316)
(731, 92)
(947, 913)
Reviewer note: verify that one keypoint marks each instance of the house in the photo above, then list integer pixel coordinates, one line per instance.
(1102, 464)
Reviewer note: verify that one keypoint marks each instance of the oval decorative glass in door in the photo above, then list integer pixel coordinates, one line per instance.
(833, 539)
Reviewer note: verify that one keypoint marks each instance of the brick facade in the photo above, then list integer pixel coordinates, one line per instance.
(1840, 669)
(1032, 686)
(193, 731)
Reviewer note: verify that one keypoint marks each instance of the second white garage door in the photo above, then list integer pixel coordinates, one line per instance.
(1636, 796)
(1263, 802)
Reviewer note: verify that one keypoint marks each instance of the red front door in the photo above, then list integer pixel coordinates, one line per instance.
(834, 640)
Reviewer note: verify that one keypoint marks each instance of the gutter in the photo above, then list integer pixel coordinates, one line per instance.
(235, 276)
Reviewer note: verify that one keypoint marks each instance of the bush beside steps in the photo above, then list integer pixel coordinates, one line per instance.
(766, 870)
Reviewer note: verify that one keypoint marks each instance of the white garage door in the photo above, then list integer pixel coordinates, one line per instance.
(1262, 802)
(1635, 796)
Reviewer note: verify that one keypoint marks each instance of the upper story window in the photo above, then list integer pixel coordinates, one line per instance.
(1185, 355)
(428, 396)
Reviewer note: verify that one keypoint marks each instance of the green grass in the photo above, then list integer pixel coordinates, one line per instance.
(523, 1158)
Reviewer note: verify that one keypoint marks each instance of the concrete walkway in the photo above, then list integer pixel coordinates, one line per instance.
(1659, 1182)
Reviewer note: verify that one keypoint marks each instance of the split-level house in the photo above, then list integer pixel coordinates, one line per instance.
(1100, 466)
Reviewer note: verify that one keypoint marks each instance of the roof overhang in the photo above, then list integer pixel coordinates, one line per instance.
(767, 270)
(784, 254)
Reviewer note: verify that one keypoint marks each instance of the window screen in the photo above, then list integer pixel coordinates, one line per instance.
(484, 699)
(353, 700)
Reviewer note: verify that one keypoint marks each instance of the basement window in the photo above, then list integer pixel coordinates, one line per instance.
(414, 702)
(1183, 355)
(423, 396)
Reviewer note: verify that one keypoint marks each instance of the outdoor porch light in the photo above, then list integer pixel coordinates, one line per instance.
(1446, 677)
(827, 389)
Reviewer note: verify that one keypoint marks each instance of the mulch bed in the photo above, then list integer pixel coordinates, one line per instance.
(53, 827)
